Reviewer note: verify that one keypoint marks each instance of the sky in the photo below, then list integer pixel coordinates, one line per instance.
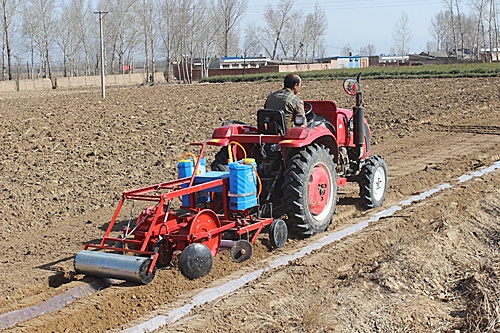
(362, 22)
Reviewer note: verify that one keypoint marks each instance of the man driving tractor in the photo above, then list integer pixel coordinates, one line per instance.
(286, 99)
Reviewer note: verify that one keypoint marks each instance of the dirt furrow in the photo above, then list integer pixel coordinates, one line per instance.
(71, 156)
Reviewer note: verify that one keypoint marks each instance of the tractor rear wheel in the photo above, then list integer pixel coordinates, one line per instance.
(310, 187)
(373, 182)
(220, 161)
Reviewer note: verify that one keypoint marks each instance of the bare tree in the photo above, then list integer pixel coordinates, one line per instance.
(296, 35)
(315, 27)
(41, 14)
(493, 29)
(496, 28)
(179, 26)
(188, 40)
(402, 34)
(230, 13)
(276, 19)
(258, 40)
(206, 41)
(449, 7)
(459, 34)
(9, 11)
(123, 29)
(183, 31)
(88, 33)
(430, 46)
(29, 33)
(478, 7)
(131, 36)
(68, 38)
(468, 27)
(251, 43)
(460, 30)
(196, 37)
(368, 50)
(147, 36)
(292, 36)
(346, 50)
(166, 29)
(189, 22)
(439, 30)
(151, 35)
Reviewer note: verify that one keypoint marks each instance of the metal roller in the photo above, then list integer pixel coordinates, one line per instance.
(116, 266)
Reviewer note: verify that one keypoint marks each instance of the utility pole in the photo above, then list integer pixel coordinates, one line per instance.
(103, 83)
(244, 63)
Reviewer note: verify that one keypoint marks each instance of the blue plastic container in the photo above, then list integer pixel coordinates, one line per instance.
(210, 176)
(185, 169)
(242, 185)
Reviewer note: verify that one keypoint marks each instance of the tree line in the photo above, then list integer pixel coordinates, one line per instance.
(463, 28)
(144, 33)
(157, 34)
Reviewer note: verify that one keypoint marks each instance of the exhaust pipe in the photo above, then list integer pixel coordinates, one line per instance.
(359, 129)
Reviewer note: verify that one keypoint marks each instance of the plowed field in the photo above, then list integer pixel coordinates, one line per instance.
(68, 155)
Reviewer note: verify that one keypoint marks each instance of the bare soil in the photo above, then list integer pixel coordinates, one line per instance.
(68, 155)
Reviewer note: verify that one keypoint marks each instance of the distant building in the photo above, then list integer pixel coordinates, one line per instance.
(258, 65)
(345, 62)
(239, 62)
(393, 59)
(489, 55)
(430, 58)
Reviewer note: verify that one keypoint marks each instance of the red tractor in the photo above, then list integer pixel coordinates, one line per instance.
(293, 172)
(301, 167)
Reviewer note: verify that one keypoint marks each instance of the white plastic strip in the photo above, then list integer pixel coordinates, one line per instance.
(211, 294)
(479, 173)
(58, 302)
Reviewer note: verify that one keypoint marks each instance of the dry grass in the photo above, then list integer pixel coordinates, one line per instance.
(483, 300)
(305, 309)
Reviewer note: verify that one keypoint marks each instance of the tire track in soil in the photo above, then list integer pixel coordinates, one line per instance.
(474, 129)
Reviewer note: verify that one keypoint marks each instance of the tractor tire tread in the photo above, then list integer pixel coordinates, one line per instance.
(220, 161)
(293, 185)
(366, 176)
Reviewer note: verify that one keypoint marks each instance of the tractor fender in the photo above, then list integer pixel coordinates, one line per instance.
(297, 137)
(221, 136)
(218, 142)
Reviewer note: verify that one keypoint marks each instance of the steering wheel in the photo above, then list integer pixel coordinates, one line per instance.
(233, 122)
(308, 108)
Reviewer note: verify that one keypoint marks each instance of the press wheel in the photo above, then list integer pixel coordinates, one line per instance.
(195, 261)
(241, 250)
(206, 221)
(278, 233)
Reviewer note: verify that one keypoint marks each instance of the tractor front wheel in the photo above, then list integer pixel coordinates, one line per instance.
(373, 182)
(310, 187)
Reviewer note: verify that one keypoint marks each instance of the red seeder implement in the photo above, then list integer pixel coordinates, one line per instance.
(195, 233)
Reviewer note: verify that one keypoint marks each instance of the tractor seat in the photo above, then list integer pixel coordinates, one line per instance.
(271, 121)
(314, 120)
